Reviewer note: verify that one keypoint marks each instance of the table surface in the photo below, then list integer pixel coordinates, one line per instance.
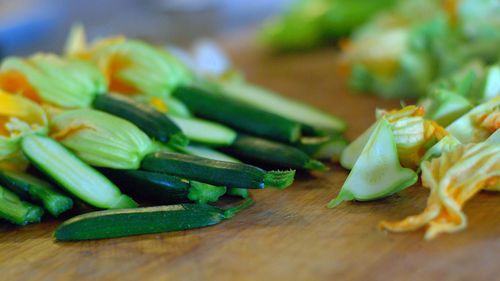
(284, 235)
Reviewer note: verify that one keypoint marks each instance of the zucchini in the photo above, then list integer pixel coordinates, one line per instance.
(377, 172)
(206, 152)
(73, 174)
(326, 147)
(237, 114)
(288, 108)
(163, 188)
(238, 192)
(271, 152)
(154, 123)
(17, 211)
(31, 188)
(119, 223)
(220, 173)
(203, 131)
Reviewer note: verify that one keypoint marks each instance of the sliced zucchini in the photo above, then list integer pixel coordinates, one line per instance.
(237, 114)
(153, 122)
(30, 188)
(492, 83)
(326, 147)
(377, 173)
(163, 188)
(219, 173)
(283, 106)
(118, 223)
(73, 174)
(203, 151)
(17, 211)
(271, 152)
(204, 131)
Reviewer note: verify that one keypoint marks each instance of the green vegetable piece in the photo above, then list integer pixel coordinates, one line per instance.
(30, 188)
(271, 152)
(353, 150)
(377, 173)
(119, 223)
(154, 123)
(101, 139)
(203, 151)
(239, 192)
(162, 188)
(219, 173)
(492, 83)
(446, 107)
(203, 131)
(325, 147)
(283, 106)
(465, 129)
(17, 211)
(236, 114)
(73, 174)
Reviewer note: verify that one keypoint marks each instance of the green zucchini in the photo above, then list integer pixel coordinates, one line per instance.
(154, 123)
(73, 174)
(163, 188)
(203, 151)
(203, 131)
(237, 114)
(30, 188)
(119, 223)
(325, 147)
(17, 211)
(220, 173)
(271, 152)
(288, 108)
(238, 192)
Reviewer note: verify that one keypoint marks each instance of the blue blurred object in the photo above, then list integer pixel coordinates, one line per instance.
(23, 23)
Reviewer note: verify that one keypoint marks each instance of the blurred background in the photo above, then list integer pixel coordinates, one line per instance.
(27, 26)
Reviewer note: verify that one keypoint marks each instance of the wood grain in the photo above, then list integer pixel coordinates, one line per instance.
(284, 235)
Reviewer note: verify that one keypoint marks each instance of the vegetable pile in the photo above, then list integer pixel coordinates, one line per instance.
(120, 120)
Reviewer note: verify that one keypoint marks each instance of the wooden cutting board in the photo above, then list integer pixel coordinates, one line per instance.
(284, 235)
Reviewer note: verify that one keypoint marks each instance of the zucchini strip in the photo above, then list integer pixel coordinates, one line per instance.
(271, 152)
(73, 174)
(203, 131)
(220, 173)
(17, 211)
(154, 123)
(119, 223)
(163, 188)
(30, 188)
(237, 115)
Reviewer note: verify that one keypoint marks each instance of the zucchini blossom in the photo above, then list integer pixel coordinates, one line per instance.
(453, 178)
(47, 78)
(101, 139)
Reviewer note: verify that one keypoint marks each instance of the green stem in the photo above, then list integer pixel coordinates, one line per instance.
(279, 179)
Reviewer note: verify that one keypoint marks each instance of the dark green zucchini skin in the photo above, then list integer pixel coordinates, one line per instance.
(215, 172)
(127, 222)
(206, 170)
(237, 114)
(33, 189)
(262, 150)
(154, 123)
(151, 186)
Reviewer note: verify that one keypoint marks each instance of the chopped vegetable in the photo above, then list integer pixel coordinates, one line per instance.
(377, 172)
(219, 173)
(30, 188)
(73, 174)
(118, 223)
(203, 131)
(17, 211)
(453, 178)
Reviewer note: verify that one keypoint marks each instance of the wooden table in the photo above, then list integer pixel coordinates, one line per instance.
(284, 235)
